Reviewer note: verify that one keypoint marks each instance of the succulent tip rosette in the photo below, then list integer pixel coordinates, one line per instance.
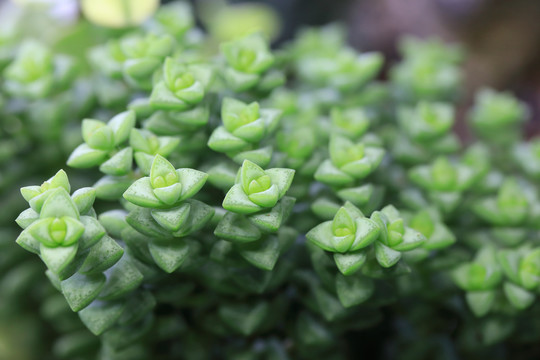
(429, 70)
(348, 162)
(257, 189)
(496, 116)
(104, 145)
(509, 208)
(527, 156)
(479, 278)
(349, 122)
(443, 181)
(183, 86)
(166, 186)
(60, 227)
(36, 73)
(247, 59)
(146, 146)
(344, 70)
(349, 231)
(143, 56)
(426, 122)
(244, 126)
(350, 234)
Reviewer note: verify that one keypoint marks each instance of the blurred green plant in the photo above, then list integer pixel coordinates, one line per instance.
(255, 203)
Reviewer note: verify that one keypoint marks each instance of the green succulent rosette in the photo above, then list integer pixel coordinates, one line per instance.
(104, 145)
(142, 56)
(183, 86)
(497, 116)
(146, 146)
(510, 207)
(166, 187)
(350, 122)
(350, 236)
(349, 161)
(244, 127)
(443, 181)
(37, 73)
(247, 58)
(257, 189)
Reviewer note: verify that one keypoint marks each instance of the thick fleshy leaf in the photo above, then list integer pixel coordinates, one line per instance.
(58, 258)
(199, 215)
(192, 181)
(142, 194)
(529, 269)
(26, 218)
(262, 254)
(112, 187)
(28, 242)
(237, 228)
(141, 219)
(350, 262)
(121, 279)
(367, 231)
(59, 204)
(518, 296)
(354, 290)
(244, 318)
(282, 178)
(252, 132)
(84, 199)
(80, 290)
(237, 201)
(102, 256)
(172, 219)
(89, 126)
(328, 174)
(30, 192)
(386, 256)
(270, 221)
(162, 98)
(223, 141)
(411, 240)
(359, 196)
(101, 316)
(261, 156)
(169, 256)
(85, 157)
(119, 164)
(321, 235)
(267, 198)
(121, 126)
(480, 302)
(509, 261)
(169, 195)
(114, 221)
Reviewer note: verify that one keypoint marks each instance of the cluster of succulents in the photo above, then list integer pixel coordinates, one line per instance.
(241, 202)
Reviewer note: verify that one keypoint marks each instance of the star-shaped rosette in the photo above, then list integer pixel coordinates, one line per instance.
(247, 59)
(244, 127)
(511, 206)
(104, 145)
(257, 189)
(443, 181)
(58, 232)
(166, 187)
(143, 56)
(394, 238)
(349, 161)
(183, 86)
(350, 236)
(349, 231)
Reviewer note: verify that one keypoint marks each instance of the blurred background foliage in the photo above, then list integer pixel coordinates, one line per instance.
(501, 39)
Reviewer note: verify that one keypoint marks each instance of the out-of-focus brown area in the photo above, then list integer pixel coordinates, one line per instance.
(501, 39)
